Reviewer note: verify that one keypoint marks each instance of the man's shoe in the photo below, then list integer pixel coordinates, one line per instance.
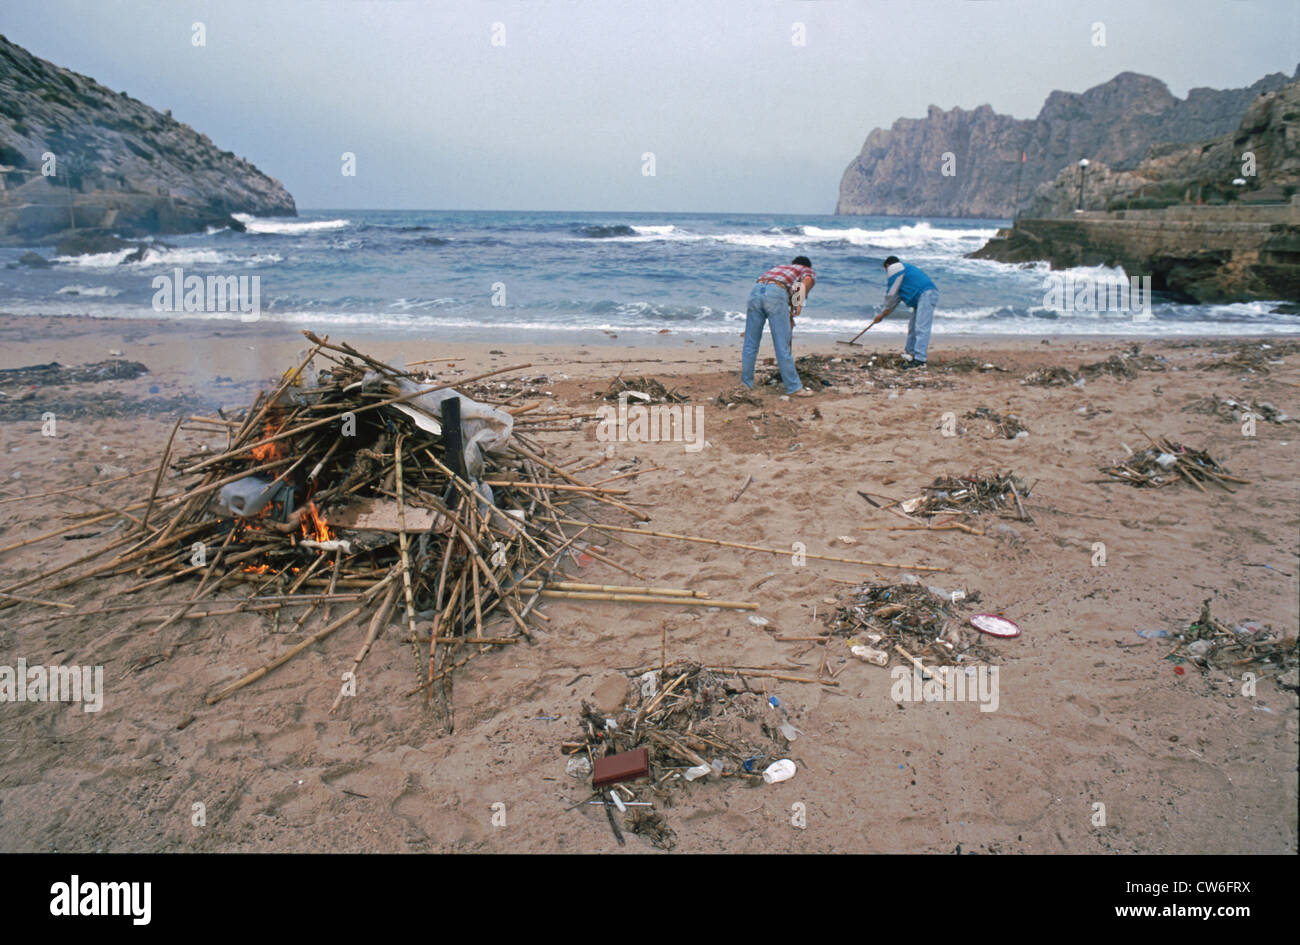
(802, 392)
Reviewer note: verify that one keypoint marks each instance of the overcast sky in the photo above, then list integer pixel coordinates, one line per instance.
(738, 117)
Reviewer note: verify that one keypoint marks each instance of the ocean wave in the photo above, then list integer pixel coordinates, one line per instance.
(97, 291)
(601, 231)
(286, 227)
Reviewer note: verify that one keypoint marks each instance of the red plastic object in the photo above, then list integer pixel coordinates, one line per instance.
(626, 766)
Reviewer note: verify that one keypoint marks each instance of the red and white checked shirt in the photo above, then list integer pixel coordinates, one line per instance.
(788, 276)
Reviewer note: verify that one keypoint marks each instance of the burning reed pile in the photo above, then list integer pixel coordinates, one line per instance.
(1209, 643)
(1165, 462)
(1007, 426)
(359, 485)
(682, 723)
(884, 622)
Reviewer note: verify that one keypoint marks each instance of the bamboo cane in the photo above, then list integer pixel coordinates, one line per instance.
(771, 551)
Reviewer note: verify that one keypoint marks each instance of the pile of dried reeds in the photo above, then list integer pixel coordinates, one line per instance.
(1165, 462)
(907, 620)
(698, 724)
(357, 485)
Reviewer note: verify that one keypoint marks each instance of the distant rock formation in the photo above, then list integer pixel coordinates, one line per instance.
(900, 171)
(118, 164)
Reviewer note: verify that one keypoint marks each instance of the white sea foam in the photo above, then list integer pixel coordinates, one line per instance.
(97, 291)
(284, 227)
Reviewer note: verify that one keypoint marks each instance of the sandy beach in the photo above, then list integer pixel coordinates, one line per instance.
(1090, 710)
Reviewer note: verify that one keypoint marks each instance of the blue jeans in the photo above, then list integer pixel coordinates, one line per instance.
(918, 326)
(771, 304)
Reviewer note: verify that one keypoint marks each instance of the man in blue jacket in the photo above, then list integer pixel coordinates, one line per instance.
(907, 284)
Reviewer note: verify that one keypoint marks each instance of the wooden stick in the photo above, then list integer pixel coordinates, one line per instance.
(770, 551)
(157, 480)
(377, 624)
(784, 677)
(651, 599)
(613, 588)
(737, 496)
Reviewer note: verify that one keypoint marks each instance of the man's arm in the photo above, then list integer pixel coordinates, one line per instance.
(799, 296)
(891, 296)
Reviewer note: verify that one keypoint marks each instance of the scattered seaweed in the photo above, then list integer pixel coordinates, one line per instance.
(911, 617)
(1009, 426)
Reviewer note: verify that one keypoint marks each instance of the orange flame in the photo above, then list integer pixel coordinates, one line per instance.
(314, 525)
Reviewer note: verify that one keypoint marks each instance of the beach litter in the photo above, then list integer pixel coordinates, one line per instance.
(970, 495)
(1228, 408)
(908, 620)
(1008, 426)
(1210, 643)
(1166, 462)
(695, 725)
(653, 390)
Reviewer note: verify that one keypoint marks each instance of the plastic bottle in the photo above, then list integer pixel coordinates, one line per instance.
(782, 770)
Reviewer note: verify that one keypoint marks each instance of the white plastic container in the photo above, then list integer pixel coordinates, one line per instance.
(699, 771)
(782, 770)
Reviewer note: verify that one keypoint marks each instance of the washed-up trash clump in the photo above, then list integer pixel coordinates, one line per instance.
(907, 621)
(652, 388)
(695, 726)
(1210, 643)
(1166, 462)
(1009, 426)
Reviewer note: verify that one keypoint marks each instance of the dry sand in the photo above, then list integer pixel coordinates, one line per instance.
(1089, 712)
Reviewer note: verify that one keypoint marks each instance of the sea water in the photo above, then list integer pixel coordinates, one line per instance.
(520, 275)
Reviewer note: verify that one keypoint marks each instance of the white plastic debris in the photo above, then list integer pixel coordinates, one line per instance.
(699, 771)
(870, 655)
(579, 767)
(1165, 460)
(778, 771)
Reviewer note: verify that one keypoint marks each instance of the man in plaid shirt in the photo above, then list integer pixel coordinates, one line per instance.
(776, 300)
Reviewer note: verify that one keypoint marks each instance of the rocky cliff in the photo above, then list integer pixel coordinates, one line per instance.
(1193, 217)
(901, 170)
(118, 164)
(1215, 171)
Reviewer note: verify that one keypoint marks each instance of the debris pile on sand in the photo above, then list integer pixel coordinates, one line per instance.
(1008, 426)
(1126, 364)
(1210, 643)
(679, 727)
(1165, 462)
(1228, 408)
(892, 623)
(653, 390)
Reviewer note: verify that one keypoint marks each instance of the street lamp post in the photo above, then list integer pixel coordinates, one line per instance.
(1083, 170)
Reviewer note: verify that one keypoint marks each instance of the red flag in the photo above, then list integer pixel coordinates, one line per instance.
(1023, 157)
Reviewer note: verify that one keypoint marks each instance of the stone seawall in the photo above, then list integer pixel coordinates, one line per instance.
(1204, 254)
